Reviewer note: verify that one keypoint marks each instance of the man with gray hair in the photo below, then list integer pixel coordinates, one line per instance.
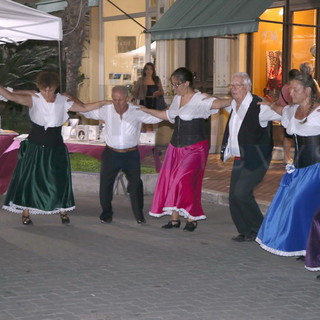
(248, 139)
(122, 132)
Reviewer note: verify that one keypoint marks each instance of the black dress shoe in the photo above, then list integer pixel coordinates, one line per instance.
(106, 220)
(190, 226)
(172, 224)
(251, 237)
(141, 221)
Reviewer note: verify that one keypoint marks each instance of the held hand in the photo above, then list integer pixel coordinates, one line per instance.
(72, 98)
(143, 108)
(265, 101)
(221, 103)
(275, 106)
(156, 94)
(207, 96)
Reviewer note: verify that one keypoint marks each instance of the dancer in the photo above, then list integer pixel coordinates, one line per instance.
(178, 190)
(286, 226)
(41, 182)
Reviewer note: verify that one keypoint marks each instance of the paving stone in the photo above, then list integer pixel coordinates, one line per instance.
(122, 271)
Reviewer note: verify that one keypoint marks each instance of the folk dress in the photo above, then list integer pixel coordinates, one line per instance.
(287, 223)
(41, 182)
(180, 180)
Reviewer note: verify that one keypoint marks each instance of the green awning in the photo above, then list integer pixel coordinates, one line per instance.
(208, 18)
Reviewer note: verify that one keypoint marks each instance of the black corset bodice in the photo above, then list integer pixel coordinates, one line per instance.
(50, 137)
(186, 133)
(307, 151)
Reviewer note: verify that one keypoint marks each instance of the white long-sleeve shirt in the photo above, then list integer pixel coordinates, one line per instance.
(121, 132)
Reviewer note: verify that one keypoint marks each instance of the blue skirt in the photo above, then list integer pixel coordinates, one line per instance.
(287, 223)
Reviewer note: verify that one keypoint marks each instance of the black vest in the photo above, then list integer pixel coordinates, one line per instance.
(255, 142)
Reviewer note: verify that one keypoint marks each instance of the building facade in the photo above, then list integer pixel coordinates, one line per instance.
(286, 34)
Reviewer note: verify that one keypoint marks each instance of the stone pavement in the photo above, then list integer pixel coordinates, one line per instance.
(125, 271)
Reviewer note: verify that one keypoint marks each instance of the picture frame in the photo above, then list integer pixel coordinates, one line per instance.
(82, 133)
(126, 43)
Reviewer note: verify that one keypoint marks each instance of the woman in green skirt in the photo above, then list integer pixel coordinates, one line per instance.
(41, 182)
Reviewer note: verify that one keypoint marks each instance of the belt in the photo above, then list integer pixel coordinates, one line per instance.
(123, 150)
(237, 158)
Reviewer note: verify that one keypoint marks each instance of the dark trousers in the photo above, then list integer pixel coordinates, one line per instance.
(129, 162)
(244, 209)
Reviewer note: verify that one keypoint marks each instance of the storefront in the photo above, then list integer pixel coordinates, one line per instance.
(287, 36)
(127, 47)
(213, 38)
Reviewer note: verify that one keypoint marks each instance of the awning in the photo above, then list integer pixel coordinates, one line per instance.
(208, 18)
(20, 23)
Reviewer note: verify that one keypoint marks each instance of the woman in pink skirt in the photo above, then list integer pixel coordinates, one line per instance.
(178, 190)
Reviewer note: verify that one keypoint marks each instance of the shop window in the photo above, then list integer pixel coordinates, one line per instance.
(267, 54)
(124, 52)
(303, 38)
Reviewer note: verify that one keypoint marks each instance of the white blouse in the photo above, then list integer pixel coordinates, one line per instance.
(196, 108)
(49, 114)
(295, 126)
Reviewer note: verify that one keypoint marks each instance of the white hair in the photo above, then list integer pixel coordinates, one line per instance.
(245, 77)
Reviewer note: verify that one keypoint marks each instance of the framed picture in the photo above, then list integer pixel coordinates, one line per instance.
(82, 132)
(126, 44)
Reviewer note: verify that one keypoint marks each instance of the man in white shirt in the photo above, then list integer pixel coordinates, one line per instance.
(247, 138)
(122, 132)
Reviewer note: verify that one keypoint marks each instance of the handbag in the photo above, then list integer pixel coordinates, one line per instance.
(160, 103)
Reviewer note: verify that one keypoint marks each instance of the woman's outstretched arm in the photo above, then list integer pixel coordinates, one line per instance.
(20, 97)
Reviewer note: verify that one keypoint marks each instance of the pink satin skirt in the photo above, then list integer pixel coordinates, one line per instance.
(180, 182)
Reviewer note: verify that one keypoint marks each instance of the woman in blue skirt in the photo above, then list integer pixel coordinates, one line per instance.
(286, 226)
(41, 182)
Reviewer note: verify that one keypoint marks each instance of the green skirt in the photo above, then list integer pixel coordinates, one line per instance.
(41, 181)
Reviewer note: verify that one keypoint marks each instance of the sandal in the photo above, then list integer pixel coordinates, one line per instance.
(26, 220)
(64, 218)
(172, 224)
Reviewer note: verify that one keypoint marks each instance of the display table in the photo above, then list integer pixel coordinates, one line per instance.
(9, 155)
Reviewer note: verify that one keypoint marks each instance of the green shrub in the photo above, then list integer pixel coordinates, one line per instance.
(85, 163)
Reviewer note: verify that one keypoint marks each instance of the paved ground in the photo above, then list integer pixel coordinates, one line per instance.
(124, 271)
